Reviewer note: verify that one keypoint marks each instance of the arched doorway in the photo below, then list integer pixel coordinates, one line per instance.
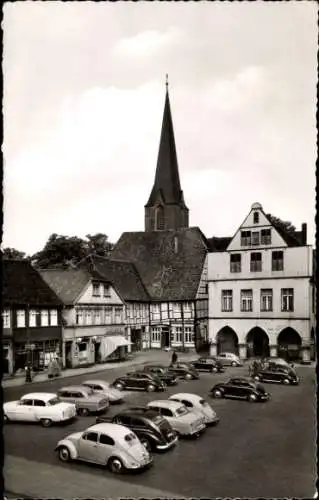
(227, 340)
(257, 343)
(289, 344)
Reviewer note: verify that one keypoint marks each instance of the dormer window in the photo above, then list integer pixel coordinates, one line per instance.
(106, 291)
(96, 289)
(265, 237)
(256, 217)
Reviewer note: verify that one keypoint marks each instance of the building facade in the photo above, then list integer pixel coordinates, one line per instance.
(32, 318)
(93, 316)
(261, 292)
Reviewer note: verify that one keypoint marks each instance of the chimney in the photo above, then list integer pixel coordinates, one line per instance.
(304, 233)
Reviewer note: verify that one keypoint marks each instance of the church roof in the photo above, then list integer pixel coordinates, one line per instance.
(169, 262)
(167, 182)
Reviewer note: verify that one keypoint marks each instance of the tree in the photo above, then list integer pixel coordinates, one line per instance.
(98, 244)
(285, 225)
(60, 252)
(67, 251)
(13, 254)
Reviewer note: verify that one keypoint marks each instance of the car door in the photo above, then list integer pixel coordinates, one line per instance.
(39, 408)
(233, 388)
(243, 388)
(87, 446)
(24, 411)
(222, 358)
(105, 448)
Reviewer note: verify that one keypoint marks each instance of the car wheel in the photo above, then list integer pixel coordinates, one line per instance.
(217, 393)
(150, 388)
(252, 398)
(64, 454)
(115, 465)
(119, 386)
(188, 376)
(46, 422)
(83, 412)
(233, 363)
(214, 369)
(257, 378)
(286, 381)
(145, 442)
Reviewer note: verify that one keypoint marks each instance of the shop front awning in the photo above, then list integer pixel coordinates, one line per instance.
(113, 342)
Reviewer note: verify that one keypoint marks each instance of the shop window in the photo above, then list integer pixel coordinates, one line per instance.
(20, 318)
(44, 318)
(6, 318)
(156, 334)
(82, 346)
(53, 317)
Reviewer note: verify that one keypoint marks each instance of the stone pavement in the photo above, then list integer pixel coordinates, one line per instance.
(52, 481)
(143, 357)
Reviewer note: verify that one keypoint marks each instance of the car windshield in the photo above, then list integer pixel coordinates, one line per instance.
(181, 410)
(54, 401)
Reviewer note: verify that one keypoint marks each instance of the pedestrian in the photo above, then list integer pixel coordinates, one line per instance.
(174, 358)
(28, 377)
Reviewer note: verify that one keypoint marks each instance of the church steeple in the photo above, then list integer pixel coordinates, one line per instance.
(166, 208)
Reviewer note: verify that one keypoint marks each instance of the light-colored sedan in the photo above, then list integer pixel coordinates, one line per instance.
(229, 359)
(182, 421)
(102, 387)
(198, 405)
(43, 407)
(112, 445)
(86, 400)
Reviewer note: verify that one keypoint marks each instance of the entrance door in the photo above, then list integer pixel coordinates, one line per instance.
(165, 336)
(97, 352)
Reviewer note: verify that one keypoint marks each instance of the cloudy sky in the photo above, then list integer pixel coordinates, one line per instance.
(84, 89)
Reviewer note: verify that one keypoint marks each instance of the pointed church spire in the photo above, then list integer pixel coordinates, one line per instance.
(167, 188)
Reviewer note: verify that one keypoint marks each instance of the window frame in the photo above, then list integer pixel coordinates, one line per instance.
(277, 264)
(21, 313)
(44, 315)
(248, 299)
(287, 300)
(265, 236)
(227, 300)
(6, 318)
(235, 263)
(256, 263)
(267, 304)
(245, 238)
(96, 289)
(53, 314)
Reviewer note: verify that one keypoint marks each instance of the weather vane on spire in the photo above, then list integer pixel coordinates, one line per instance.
(166, 83)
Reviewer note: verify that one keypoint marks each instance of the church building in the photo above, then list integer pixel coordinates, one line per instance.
(170, 256)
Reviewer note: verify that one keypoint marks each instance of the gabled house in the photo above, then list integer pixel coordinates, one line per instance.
(125, 278)
(260, 290)
(31, 315)
(93, 316)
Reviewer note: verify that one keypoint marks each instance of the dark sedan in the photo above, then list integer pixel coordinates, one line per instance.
(208, 364)
(184, 370)
(162, 373)
(279, 374)
(240, 388)
(139, 381)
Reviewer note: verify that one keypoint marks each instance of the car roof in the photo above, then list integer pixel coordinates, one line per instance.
(46, 396)
(186, 395)
(165, 403)
(139, 411)
(73, 388)
(102, 382)
(120, 430)
(243, 379)
(229, 354)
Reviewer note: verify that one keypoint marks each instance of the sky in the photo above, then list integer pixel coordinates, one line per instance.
(84, 91)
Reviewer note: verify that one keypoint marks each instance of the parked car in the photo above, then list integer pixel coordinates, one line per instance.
(100, 386)
(162, 373)
(154, 432)
(209, 364)
(111, 445)
(198, 405)
(278, 361)
(139, 380)
(184, 371)
(277, 373)
(86, 400)
(183, 421)
(43, 407)
(241, 388)
(229, 359)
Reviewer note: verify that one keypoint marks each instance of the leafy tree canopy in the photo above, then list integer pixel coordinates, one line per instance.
(285, 225)
(67, 251)
(13, 254)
